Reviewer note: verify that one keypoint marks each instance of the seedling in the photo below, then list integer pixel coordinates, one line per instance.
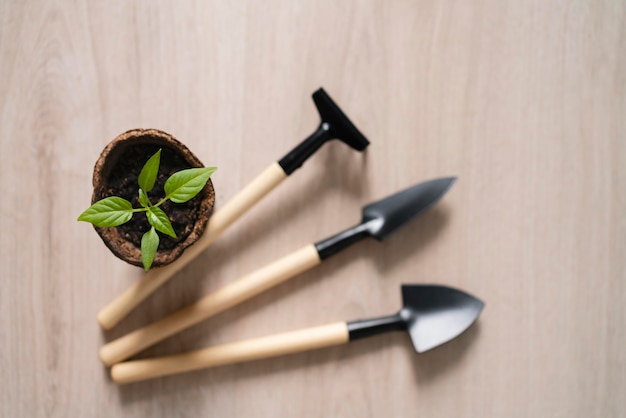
(180, 187)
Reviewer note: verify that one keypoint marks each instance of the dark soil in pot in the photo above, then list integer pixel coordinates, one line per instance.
(116, 173)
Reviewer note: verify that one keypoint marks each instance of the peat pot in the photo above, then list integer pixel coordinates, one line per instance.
(116, 173)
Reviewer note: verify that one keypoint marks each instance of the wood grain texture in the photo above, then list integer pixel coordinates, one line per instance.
(269, 346)
(524, 101)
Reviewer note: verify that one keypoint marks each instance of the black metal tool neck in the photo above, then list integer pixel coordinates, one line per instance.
(335, 125)
(294, 159)
(432, 315)
(368, 327)
(332, 245)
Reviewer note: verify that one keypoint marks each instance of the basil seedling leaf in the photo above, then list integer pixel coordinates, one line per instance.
(185, 184)
(111, 211)
(143, 199)
(149, 245)
(160, 221)
(148, 173)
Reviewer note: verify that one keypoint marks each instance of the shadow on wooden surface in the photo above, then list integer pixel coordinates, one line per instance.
(443, 359)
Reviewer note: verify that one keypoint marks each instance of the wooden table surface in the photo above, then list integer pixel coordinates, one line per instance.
(524, 101)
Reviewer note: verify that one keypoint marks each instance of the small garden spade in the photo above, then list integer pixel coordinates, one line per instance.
(432, 315)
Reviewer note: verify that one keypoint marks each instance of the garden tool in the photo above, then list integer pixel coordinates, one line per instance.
(431, 314)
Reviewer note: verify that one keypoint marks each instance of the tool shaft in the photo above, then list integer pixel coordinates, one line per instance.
(242, 351)
(210, 305)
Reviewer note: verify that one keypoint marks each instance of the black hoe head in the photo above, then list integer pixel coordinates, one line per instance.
(334, 125)
(387, 215)
(337, 122)
(437, 314)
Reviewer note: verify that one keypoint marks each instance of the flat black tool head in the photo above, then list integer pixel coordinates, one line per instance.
(437, 314)
(387, 215)
(334, 125)
(339, 126)
(382, 218)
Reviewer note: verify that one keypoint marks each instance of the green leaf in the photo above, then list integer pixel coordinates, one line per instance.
(149, 245)
(160, 221)
(185, 184)
(148, 173)
(143, 199)
(111, 211)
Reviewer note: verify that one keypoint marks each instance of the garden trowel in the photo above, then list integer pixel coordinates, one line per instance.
(379, 220)
(432, 315)
(334, 125)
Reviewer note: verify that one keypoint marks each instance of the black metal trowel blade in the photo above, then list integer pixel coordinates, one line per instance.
(387, 215)
(437, 314)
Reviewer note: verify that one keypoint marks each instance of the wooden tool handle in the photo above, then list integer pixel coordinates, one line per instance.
(255, 349)
(115, 311)
(230, 295)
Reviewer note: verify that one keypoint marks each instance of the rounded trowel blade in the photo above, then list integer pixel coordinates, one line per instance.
(437, 314)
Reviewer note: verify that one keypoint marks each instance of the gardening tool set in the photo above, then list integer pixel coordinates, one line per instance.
(431, 314)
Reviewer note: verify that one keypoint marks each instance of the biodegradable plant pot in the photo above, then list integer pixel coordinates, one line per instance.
(116, 173)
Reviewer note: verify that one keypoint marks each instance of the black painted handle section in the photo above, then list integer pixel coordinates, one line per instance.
(331, 246)
(369, 327)
(335, 125)
(294, 159)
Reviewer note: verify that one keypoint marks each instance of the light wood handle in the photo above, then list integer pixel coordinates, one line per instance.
(265, 182)
(255, 349)
(210, 305)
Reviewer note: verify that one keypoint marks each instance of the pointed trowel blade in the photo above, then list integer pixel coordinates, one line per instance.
(387, 215)
(437, 314)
